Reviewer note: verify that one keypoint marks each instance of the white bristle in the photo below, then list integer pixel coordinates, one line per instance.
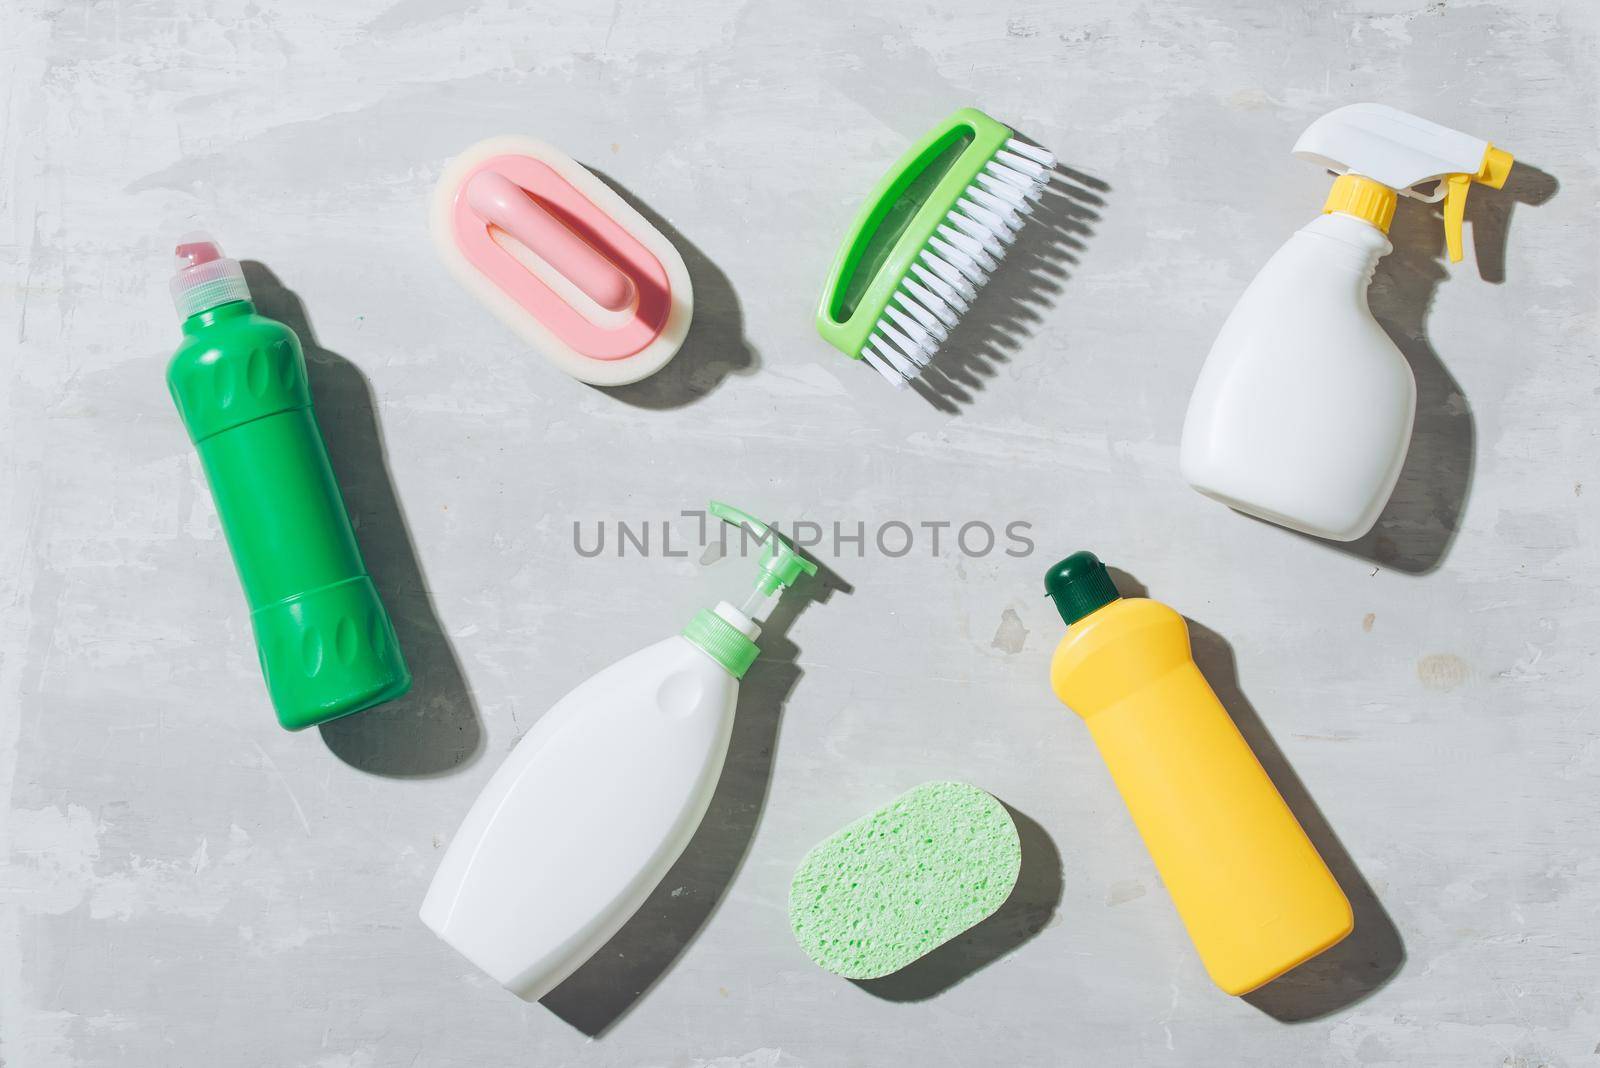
(950, 275)
(930, 322)
(1035, 187)
(944, 290)
(1006, 192)
(897, 359)
(920, 335)
(907, 347)
(959, 260)
(913, 361)
(978, 232)
(988, 219)
(896, 379)
(1021, 182)
(965, 247)
(1047, 160)
(1026, 166)
(894, 357)
(1000, 208)
(947, 315)
(966, 244)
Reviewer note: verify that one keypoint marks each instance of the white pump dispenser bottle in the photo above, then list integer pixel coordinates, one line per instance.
(1302, 413)
(602, 795)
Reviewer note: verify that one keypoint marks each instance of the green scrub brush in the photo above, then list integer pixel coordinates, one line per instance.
(928, 237)
(897, 884)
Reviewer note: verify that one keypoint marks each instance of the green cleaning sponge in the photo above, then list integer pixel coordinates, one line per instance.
(904, 880)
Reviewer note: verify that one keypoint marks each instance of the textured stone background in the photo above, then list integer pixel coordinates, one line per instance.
(185, 884)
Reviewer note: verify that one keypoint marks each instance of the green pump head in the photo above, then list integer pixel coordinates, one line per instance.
(728, 635)
(781, 563)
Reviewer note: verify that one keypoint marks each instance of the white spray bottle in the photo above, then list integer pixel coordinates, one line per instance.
(1302, 413)
(600, 798)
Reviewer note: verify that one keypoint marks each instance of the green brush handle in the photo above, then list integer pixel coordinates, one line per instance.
(894, 225)
(326, 645)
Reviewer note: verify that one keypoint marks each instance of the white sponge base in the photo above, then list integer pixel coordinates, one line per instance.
(648, 360)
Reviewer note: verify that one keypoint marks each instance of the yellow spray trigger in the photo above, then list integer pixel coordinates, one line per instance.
(1455, 212)
(1495, 168)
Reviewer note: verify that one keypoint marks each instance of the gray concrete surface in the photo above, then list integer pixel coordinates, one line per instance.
(185, 884)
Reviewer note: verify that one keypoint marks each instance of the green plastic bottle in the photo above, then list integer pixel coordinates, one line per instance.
(326, 645)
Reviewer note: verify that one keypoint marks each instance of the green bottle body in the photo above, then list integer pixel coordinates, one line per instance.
(327, 646)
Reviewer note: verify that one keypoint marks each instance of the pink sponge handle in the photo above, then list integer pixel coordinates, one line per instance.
(526, 200)
(513, 209)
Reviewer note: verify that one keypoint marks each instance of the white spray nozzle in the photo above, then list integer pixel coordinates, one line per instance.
(1389, 146)
(1399, 151)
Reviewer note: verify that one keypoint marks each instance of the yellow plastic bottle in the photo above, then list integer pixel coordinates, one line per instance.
(1252, 890)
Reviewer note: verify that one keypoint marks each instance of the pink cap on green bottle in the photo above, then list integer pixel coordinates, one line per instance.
(206, 278)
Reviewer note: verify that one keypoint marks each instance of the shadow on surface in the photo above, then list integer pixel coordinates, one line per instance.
(1025, 913)
(433, 728)
(1373, 952)
(1417, 526)
(715, 346)
(1012, 305)
(1370, 955)
(622, 971)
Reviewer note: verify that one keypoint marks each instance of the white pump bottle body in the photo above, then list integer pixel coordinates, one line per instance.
(587, 814)
(1302, 414)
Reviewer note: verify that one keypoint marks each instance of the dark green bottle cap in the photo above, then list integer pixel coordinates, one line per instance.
(1079, 585)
